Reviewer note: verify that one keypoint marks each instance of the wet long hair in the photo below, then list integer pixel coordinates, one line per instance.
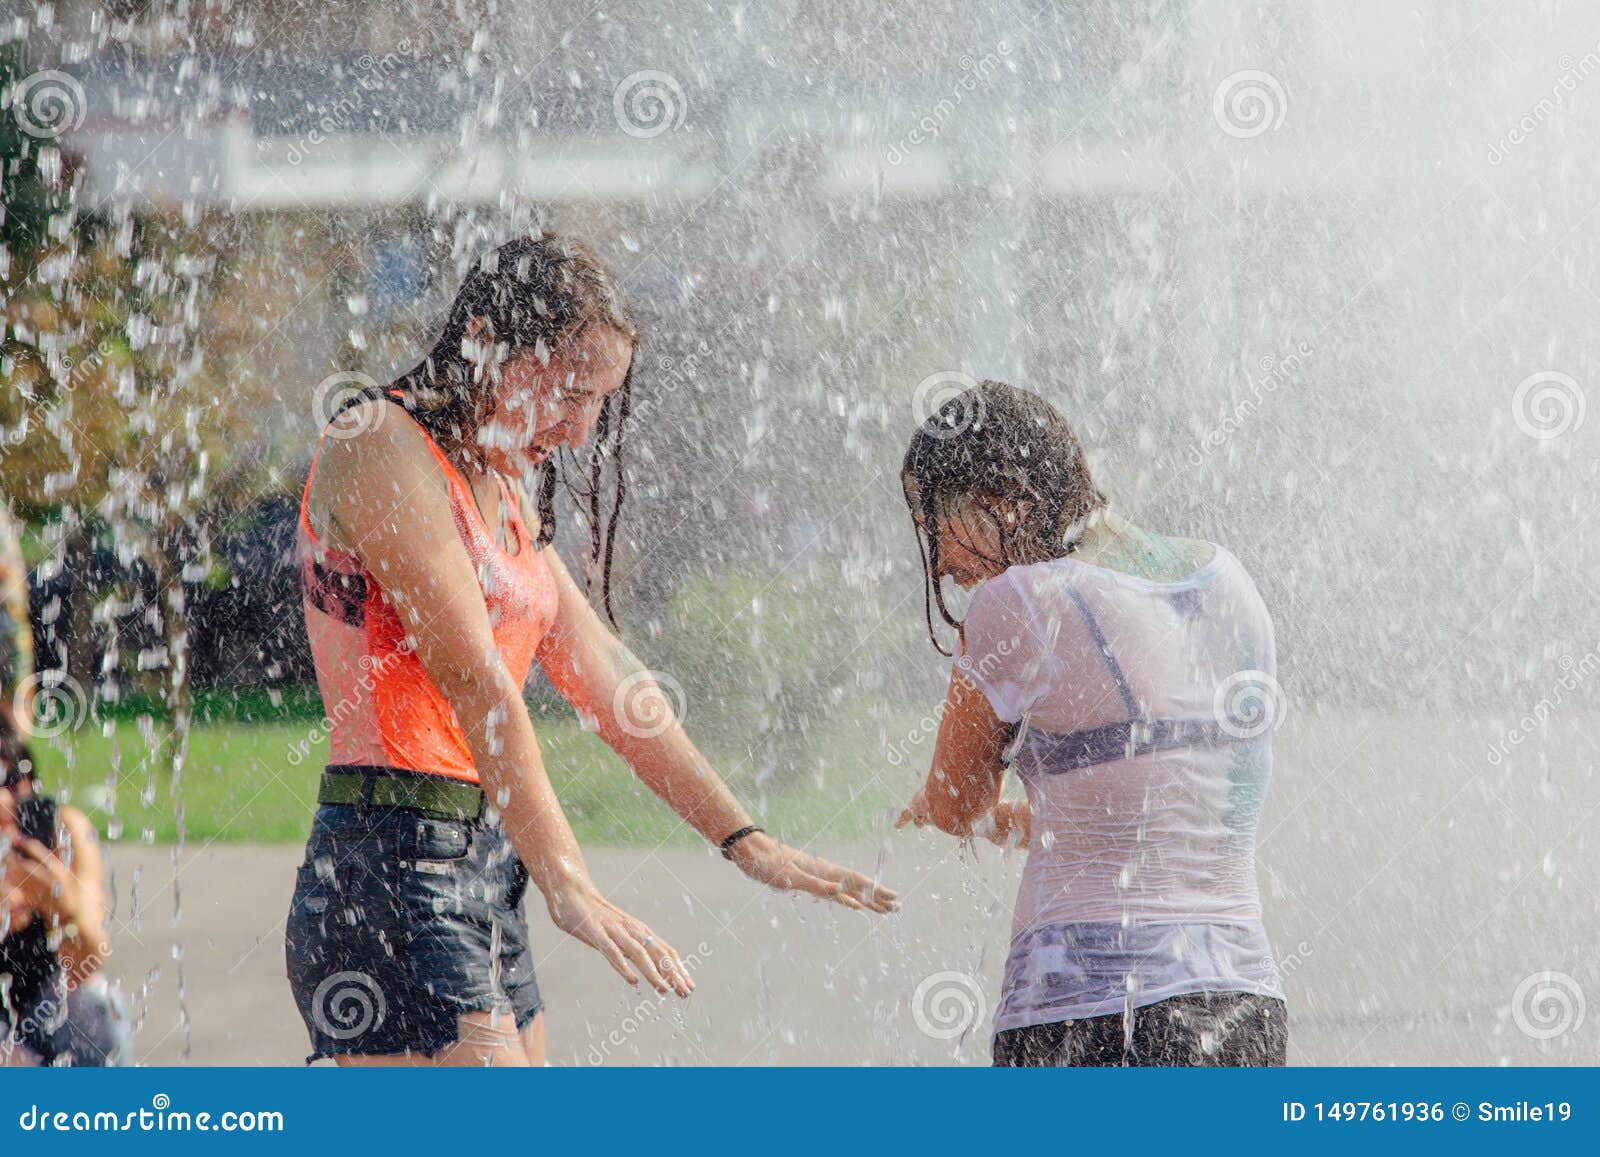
(537, 293)
(994, 443)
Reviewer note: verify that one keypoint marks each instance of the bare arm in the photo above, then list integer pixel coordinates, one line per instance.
(962, 793)
(90, 941)
(388, 501)
(602, 679)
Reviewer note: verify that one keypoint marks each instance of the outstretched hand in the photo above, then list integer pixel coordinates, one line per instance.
(779, 866)
(626, 942)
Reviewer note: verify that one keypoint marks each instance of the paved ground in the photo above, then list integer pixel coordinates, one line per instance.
(1413, 888)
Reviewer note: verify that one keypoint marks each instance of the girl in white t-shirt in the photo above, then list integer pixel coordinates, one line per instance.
(1128, 678)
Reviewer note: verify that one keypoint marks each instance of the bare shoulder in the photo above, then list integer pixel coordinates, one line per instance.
(373, 435)
(378, 455)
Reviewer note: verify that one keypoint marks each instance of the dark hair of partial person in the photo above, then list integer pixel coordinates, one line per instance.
(15, 757)
(995, 443)
(536, 292)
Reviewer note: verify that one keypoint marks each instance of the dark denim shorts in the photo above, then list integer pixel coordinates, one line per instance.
(400, 924)
(1198, 1029)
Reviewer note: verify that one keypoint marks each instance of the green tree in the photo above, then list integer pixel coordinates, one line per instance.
(114, 430)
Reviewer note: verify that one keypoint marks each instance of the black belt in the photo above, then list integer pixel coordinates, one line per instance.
(432, 795)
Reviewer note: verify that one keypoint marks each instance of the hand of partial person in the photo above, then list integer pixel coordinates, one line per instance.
(777, 865)
(627, 943)
(1010, 825)
(916, 812)
(38, 881)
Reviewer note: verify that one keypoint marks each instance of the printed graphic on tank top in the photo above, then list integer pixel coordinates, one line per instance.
(1145, 767)
(381, 706)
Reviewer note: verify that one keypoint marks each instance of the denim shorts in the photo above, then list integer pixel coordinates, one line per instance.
(1196, 1029)
(400, 924)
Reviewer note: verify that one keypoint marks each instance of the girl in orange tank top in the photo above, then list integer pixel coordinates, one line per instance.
(405, 939)
(393, 715)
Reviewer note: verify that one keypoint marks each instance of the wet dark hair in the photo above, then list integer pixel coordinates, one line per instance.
(996, 442)
(537, 293)
(16, 760)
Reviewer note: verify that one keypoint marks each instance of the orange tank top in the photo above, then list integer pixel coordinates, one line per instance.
(382, 709)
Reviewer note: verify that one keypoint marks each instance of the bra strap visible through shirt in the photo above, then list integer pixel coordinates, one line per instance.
(1115, 668)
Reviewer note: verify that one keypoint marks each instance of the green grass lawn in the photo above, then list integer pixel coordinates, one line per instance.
(245, 781)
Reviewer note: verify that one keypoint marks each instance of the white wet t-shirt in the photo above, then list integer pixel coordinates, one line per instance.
(1147, 711)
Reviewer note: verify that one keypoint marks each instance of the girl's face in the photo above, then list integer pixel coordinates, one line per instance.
(544, 403)
(968, 545)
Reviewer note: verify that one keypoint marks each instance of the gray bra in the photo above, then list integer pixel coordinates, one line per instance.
(1135, 735)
